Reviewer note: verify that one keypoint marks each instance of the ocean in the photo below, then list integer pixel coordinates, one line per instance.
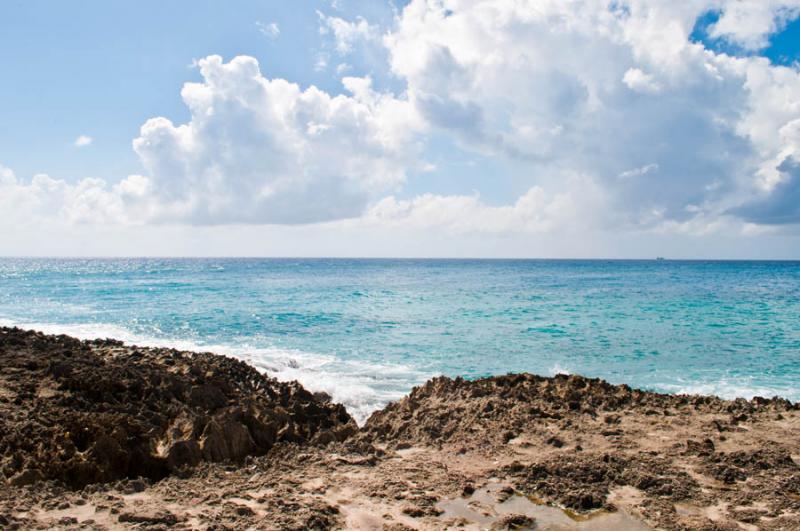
(366, 331)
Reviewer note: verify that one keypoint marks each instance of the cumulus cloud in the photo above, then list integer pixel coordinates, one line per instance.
(7, 176)
(608, 113)
(748, 23)
(632, 91)
(261, 150)
(536, 211)
(83, 141)
(639, 81)
(781, 204)
(255, 150)
(347, 33)
(44, 199)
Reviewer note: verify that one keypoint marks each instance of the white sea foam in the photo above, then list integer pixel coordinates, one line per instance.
(363, 387)
(558, 369)
(729, 388)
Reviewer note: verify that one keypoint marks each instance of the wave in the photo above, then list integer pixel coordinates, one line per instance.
(362, 387)
(557, 369)
(729, 388)
(366, 386)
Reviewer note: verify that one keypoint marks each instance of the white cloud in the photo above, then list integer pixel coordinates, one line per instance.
(536, 211)
(638, 172)
(748, 23)
(636, 129)
(263, 150)
(270, 30)
(83, 141)
(632, 92)
(347, 33)
(639, 81)
(321, 62)
(255, 150)
(45, 199)
(7, 176)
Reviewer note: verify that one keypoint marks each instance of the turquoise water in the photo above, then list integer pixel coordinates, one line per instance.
(366, 331)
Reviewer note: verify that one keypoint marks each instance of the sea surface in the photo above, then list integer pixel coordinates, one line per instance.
(366, 331)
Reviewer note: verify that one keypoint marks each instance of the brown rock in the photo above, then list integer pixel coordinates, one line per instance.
(510, 522)
(111, 412)
(225, 439)
(157, 518)
(26, 477)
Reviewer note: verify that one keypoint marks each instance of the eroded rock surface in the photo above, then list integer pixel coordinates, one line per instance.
(508, 452)
(95, 411)
(679, 462)
(499, 408)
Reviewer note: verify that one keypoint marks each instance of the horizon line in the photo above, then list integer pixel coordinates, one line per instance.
(432, 258)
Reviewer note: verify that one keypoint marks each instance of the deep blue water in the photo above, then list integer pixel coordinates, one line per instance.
(368, 330)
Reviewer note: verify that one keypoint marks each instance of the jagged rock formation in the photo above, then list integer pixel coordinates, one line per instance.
(496, 409)
(519, 451)
(94, 411)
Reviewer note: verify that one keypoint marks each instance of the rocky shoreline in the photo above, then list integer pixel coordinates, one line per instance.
(102, 435)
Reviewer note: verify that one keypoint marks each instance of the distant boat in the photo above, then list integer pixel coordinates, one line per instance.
(659, 258)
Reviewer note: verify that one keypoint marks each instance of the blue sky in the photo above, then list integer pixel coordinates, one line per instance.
(783, 47)
(544, 131)
(103, 68)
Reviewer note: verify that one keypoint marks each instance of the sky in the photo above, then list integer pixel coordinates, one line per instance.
(426, 128)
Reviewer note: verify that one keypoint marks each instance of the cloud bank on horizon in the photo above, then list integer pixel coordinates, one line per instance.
(617, 119)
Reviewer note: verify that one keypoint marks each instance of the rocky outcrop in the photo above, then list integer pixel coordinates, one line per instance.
(498, 408)
(588, 445)
(83, 412)
(565, 452)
